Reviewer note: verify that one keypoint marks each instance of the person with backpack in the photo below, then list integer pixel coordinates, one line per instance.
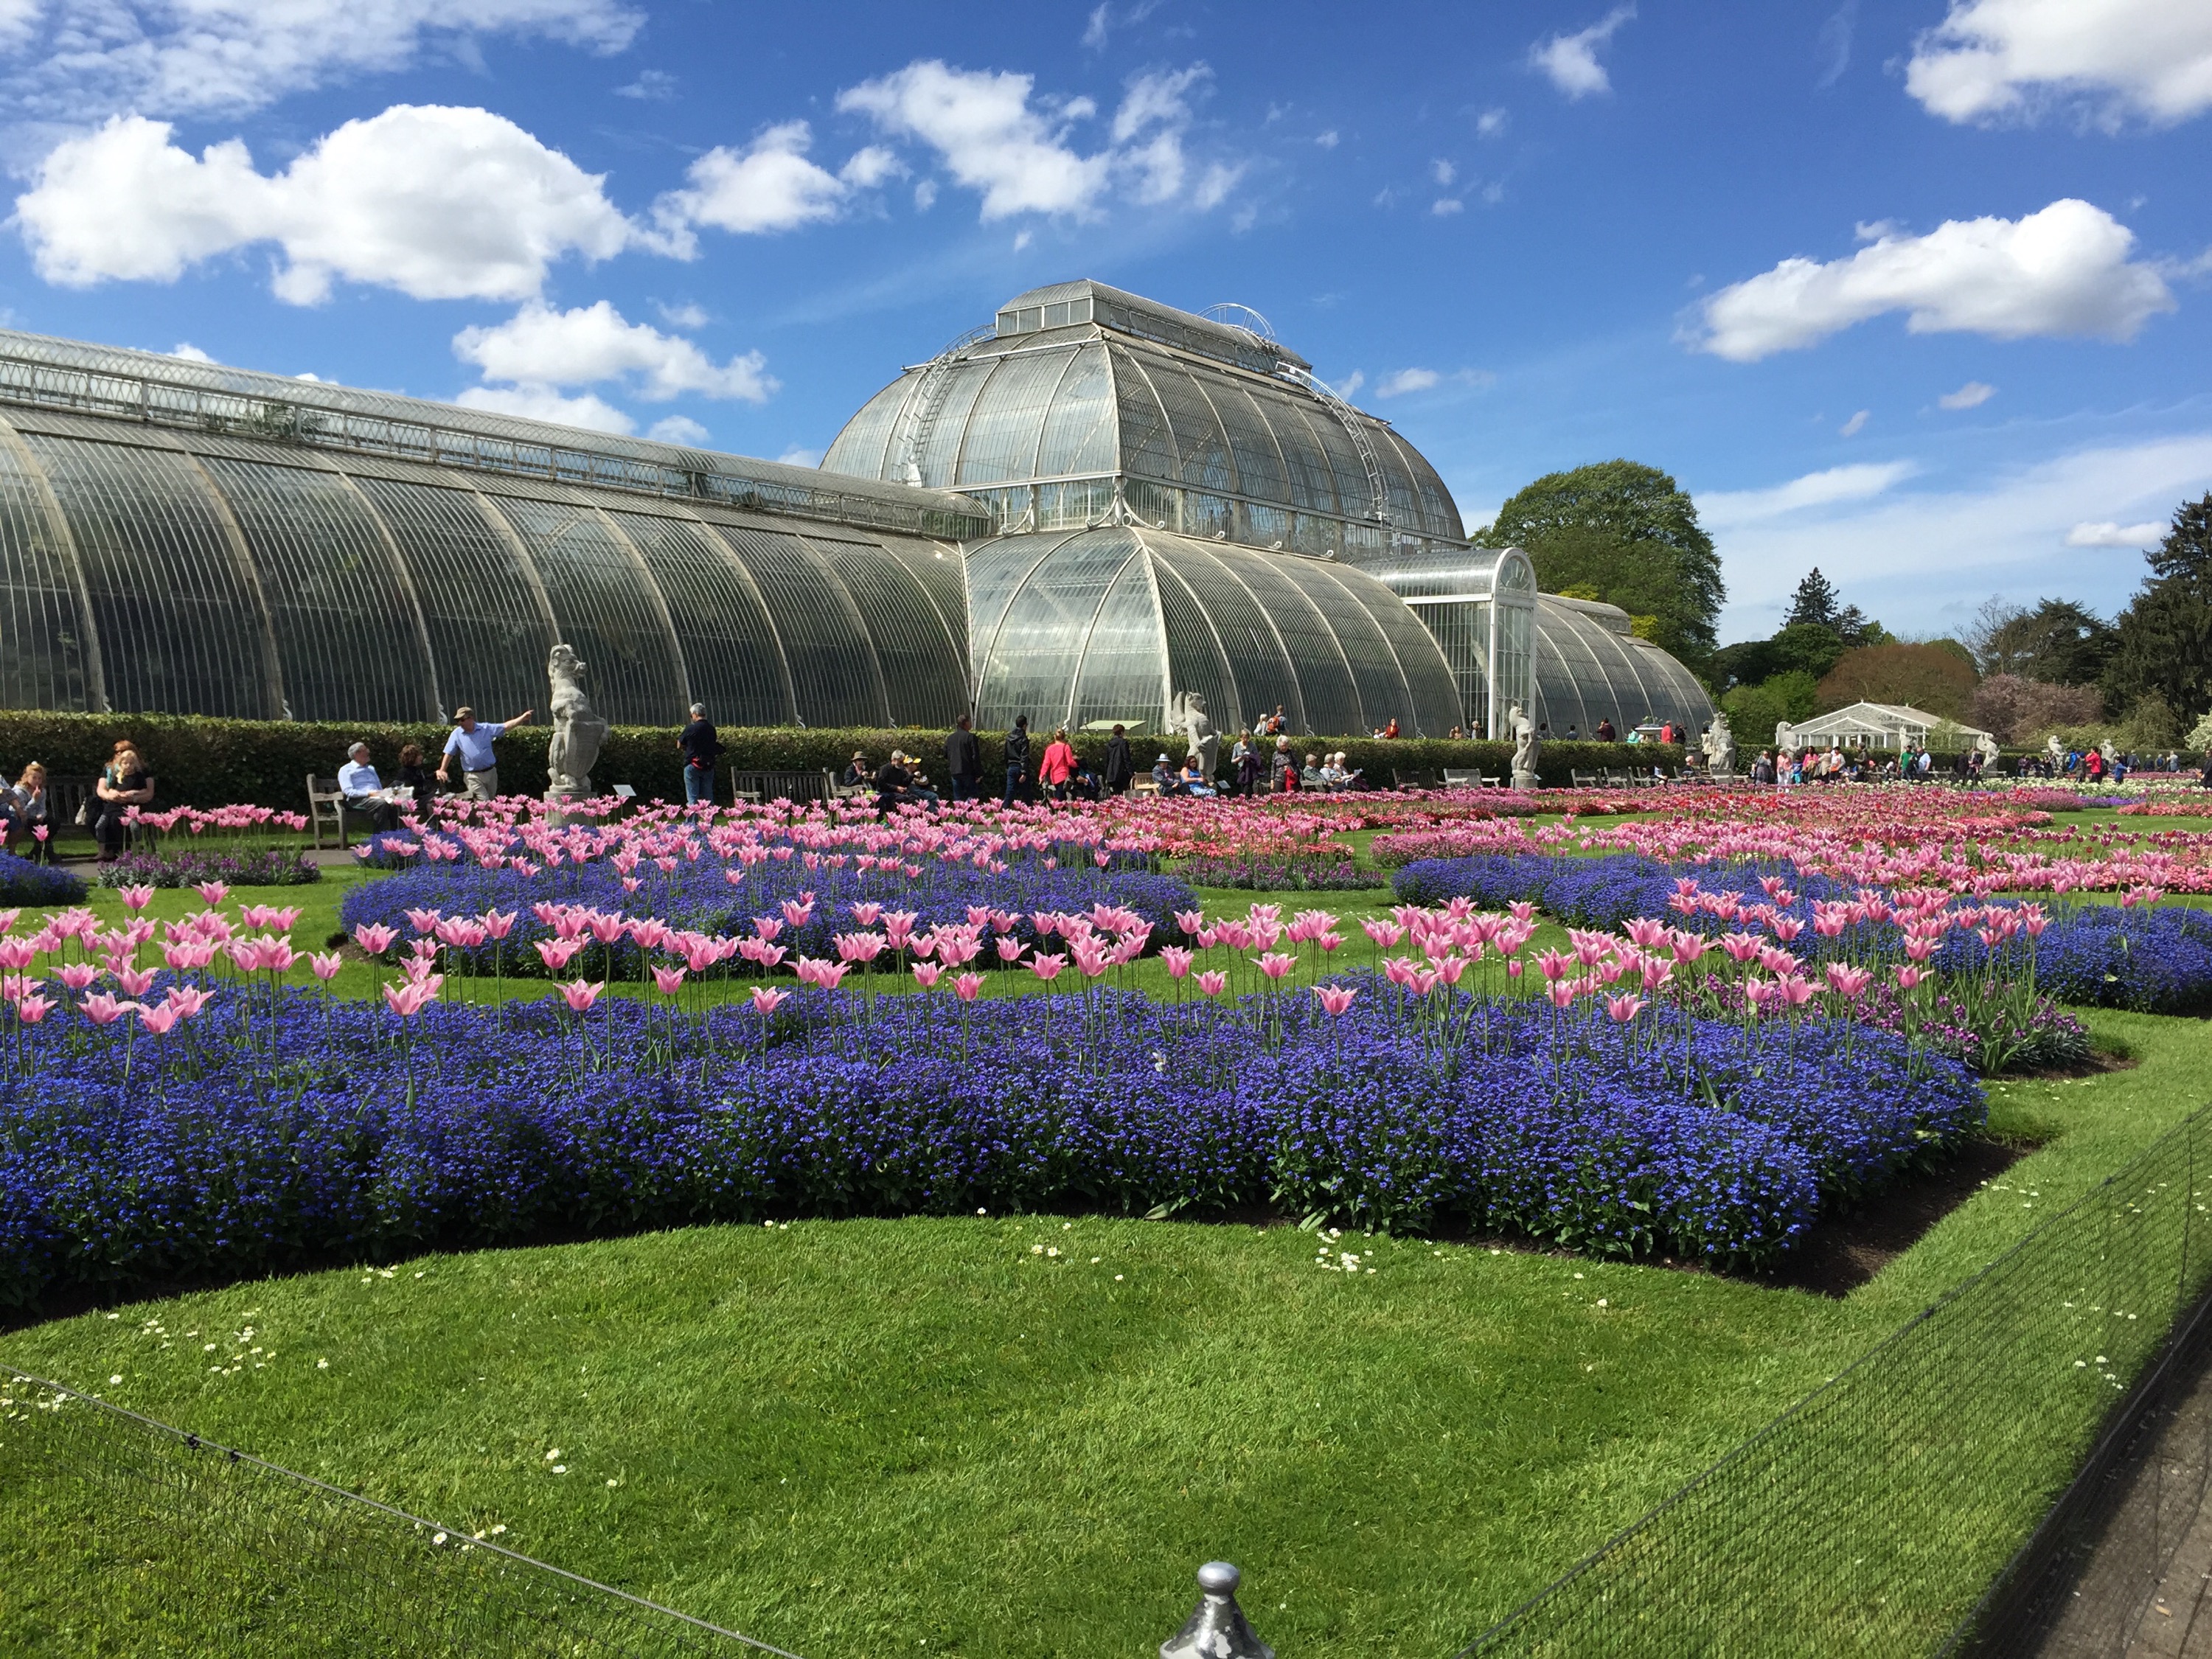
(1017, 760)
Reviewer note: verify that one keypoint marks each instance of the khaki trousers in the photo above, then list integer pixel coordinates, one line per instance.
(481, 786)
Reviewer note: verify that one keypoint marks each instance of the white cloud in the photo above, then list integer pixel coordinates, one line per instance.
(1570, 61)
(1017, 150)
(1726, 508)
(2063, 270)
(797, 456)
(542, 402)
(768, 185)
(1491, 122)
(1996, 58)
(1405, 381)
(438, 202)
(1973, 395)
(1445, 206)
(925, 195)
(188, 352)
(83, 60)
(991, 141)
(2108, 534)
(678, 429)
(541, 347)
(1912, 553)
(1328, 140)
(1348, 387)
(652, 86)
(686, 315)
(1443, 172)
(1094, 36)
(1856, 424)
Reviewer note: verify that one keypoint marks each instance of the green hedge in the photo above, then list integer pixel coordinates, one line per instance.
(214, 763)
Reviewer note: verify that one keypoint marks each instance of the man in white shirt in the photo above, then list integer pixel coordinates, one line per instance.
(363, 792)
(471, 739)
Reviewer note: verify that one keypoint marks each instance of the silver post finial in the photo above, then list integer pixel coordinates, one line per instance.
(1217, 1629)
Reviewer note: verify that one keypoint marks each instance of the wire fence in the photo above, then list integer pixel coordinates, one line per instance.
(1873, 1516)
(136, 1537)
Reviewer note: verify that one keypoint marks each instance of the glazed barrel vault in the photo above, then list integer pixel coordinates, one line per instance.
(183, 537)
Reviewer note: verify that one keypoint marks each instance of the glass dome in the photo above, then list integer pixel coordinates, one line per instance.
(1591, 668)
(1120, 622)
(1085, 395)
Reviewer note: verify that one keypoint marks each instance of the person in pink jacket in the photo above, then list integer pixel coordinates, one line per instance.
(1058, 765)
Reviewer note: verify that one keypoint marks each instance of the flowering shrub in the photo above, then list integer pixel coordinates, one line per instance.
(272, 1127)
(188, 866)
(22, 882)
(1328, 870)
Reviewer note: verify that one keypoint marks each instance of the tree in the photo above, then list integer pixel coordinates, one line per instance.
(1754, 711)
(2058, 641)
(2020, 711)
(2163, 640)
(1618, 505)
(1815, 602)
(1801, 648)
(1924, 677)
(1641, 577)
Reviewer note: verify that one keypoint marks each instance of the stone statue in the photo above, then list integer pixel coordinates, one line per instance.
(2057, 750)
(2110, 751)
(1525, 746)
(1720, 746)
(1198, 731)
(1785, 738)
(577, 731)
(1991, 754)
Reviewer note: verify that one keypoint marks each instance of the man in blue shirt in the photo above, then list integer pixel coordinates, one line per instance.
(471, 739)
(362, 791)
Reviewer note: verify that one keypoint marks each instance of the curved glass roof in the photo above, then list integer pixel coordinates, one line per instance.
(1082, 380)
(39, 371)
(1120, 622)
(1591, 668)
(185, 571)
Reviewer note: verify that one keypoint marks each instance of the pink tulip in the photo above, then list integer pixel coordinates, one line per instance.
(558, 952)
(1277, 963)
(860, 947)
(1009, 948)
(135, 981)
(157, 1020)
(667, 981)
(1213, 983)
(498, 924)
(766, 1001)
(926, 974)
(1047, 967)
(1334, 999)
(407, 1000)
(31, 1008)
(77, 975)
(1177, 959)
(1190, 921)
(1850, 981)
(135, 899)
(580, 995)
(212, 892)
(968, 987)
(1621, 1010)
(325, 965)
(102, 1009)
(375, 938)
(1563, 992)
(865, 914)
(1908, 977)
(16, 953)
(420, 920)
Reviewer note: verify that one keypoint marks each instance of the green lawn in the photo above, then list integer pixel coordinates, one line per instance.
(928, 1435)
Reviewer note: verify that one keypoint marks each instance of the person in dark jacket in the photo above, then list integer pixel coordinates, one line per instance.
(1251, 768)
(1017, 760)
(1121, 768)
(964, 761)
(701, 746)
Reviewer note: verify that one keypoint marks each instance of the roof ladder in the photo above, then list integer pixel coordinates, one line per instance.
(917, 415)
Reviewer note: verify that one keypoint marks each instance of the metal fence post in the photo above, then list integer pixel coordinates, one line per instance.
(1217, 1628)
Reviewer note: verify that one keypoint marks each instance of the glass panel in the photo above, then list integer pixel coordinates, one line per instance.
(602, 605)
(833, 675)
(1439, 512)
(858, 449)
(1405, 507)
(1124, 662)
(1265, 526)
(1195, 662)
(1313, 483)
(1325, 688)
(1073, 506)
(1514, 675)
(953, 391)
(938, 567)
(1431, 705)
(1201, 451)
(925, 678)
(1030, 667)
(1375, 678)
(47, 660)
(1265, 681)
(1569, 685)
(996, 571)
(179, 625)
(1204, 517)
(1462, 628)
(347, 641)
(1353, 498)
(1147, 445)
(1008, 415)
(1259, 466)
(733, 659)
(488, 634)
(1079, 429)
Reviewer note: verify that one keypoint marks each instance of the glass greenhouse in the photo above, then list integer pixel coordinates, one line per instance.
(181, 538)
(1590, 667)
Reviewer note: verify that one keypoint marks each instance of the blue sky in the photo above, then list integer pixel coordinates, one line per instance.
(1916, 292)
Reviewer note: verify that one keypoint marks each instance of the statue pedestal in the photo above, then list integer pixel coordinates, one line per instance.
(561, 795)
(1525, 780)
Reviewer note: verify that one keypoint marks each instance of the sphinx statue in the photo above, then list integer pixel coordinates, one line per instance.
(578, 732)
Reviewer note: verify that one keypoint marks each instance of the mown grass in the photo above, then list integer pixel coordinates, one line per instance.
(926, 1436)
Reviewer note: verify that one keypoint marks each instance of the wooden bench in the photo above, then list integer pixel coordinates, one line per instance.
(1413, 780)
(327, 809)
(758, 787)
(1459, 778)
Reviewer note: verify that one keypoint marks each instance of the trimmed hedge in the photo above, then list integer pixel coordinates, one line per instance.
(205, 762)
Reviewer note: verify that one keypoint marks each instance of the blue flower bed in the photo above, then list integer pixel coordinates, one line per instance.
(22, 882)
(2155, 960)
(208, 1158)
(696, 896)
